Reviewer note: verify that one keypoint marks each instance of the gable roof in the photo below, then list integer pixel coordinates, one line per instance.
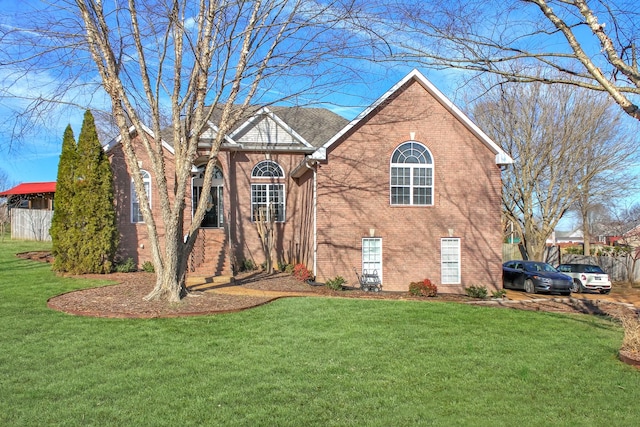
(502, 158)
(264, 130)
(132, 129)
(30, 188)
(315, 125)
(311, 126)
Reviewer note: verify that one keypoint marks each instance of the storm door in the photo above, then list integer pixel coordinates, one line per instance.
(214, 215)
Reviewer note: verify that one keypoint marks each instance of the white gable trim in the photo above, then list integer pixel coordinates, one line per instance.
(502, 158)
(115, 141)
(215, 129)
(265, 111)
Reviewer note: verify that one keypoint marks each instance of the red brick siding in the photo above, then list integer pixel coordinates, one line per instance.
(294, 238)
(134, 238)
(354, 198)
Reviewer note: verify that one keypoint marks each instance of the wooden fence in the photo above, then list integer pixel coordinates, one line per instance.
(619, 268)
(514, 251)
(31, 224)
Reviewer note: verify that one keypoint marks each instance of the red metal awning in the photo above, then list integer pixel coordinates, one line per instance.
(30, 188)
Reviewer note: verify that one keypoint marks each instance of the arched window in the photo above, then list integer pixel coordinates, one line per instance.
(136, 214)
(267, 198)
(213, 217)
(411, 175)
(267, 169)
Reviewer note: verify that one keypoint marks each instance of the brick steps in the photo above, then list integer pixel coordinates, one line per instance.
(210, 258)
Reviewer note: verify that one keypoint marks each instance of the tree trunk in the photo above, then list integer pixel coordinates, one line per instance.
(586, 235)
(170, 279)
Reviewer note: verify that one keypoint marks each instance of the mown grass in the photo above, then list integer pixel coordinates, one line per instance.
(304, 361)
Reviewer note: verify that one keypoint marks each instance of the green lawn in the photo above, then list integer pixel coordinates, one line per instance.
(304, 361)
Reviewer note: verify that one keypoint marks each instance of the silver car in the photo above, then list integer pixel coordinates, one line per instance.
(587, 277)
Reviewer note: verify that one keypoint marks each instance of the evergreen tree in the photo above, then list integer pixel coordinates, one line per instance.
(62, 221)
(93, 207)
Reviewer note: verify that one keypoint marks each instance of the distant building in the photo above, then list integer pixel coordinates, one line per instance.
(31, 195)
(30, 207)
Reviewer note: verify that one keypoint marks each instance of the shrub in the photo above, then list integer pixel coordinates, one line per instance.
(127, 266)
(248, 265)
(574, 250)
(476, 291)
(148, 267)
(301, 272)
(288, 268)
(499, 294)
(335, 283)
(423, 289)
(631, 324)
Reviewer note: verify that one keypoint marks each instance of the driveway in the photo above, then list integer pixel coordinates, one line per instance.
(619, 293)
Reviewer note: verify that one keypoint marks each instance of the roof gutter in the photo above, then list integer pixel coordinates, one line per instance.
(258, 149)
(303, 167)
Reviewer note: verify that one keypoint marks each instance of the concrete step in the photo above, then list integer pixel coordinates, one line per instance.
(197, 282)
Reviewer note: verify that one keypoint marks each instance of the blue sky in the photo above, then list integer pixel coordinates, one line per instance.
(33, 157)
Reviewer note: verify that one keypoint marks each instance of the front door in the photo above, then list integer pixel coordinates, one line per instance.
(213, 217)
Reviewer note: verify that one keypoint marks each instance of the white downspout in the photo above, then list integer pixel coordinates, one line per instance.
(313, 165)
(315, 223)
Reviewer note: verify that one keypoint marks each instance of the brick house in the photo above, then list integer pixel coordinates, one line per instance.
(411, 188)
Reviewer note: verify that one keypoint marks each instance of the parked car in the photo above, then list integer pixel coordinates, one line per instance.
(533, 276)
(587, 277)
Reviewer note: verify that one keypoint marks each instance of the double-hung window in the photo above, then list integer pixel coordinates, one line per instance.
(372, 255)
(268, 197)
(136, 213)
(411, 175)
(450, 261)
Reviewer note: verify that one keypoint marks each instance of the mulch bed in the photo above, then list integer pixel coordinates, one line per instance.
(126, 298)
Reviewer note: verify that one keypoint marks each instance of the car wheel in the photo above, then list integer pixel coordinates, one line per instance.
(576, 287)
(528, 287)
(605, 291)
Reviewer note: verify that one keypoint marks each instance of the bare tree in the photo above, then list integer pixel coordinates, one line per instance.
(177, 62)
(265, 220)
(624, 224)
(565, 152)
(4, 205)
(588, 43)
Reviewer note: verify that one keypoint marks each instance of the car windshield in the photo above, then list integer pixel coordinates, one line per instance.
(539, 266)
(593, 269)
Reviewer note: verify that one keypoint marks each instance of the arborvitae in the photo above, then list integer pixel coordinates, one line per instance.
(62, 222)
(93, 206)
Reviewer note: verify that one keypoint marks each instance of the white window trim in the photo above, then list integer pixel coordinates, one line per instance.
(379, 271)
(275, 164)
(445, 264)
(284, 198)
(146, 177)
(413, 166)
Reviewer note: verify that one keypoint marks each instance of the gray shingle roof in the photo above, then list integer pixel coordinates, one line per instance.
(315, 125)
